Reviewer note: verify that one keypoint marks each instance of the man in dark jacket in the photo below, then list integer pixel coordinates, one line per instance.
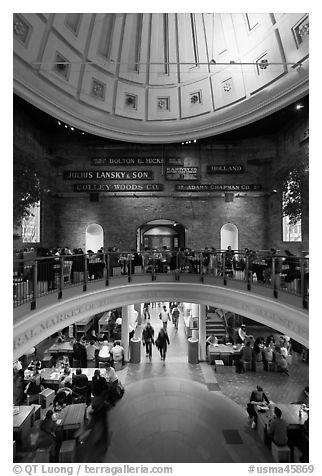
(148, 339)
(79, 354)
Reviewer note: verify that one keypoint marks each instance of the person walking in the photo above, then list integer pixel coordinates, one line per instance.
(175, 316)
(146, 311)
(165, 317)
(148, 339)
(162, 343)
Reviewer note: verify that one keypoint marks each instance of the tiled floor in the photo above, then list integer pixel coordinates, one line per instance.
(177, 412)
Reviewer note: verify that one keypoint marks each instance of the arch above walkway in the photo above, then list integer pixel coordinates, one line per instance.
(39, 324)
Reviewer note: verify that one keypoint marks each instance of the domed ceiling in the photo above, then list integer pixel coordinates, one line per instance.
(160, 77)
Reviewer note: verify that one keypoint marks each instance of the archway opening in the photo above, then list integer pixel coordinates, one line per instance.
(161, 232)
(94, 239)
(229, 236)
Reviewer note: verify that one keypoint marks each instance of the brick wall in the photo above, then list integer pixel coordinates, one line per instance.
(66, 214)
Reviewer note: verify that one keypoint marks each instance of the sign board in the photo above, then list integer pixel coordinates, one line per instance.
(182, 173)
(174, 161)
(105, 161)
(118, 187)
(215, 187)
(224, 169)
(107, 175)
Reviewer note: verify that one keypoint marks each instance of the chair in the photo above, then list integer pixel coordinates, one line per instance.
(46, 398)
(42, 455)
(281, 454)
(32, 398)
(247, 365)
(67, 451)
(118, 366)
(219, 366)
(79, 394)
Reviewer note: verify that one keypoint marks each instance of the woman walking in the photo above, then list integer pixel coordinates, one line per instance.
(162, 343)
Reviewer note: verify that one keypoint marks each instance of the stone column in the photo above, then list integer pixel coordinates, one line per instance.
(195, 313)
(202, 332)
(125, 331)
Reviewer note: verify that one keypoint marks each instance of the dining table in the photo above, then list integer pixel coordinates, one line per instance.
(223, 352)
(70, 419)
(294, 415)
(23, 420)
(61, 348)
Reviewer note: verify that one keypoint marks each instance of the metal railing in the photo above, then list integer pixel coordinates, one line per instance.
(37, 277)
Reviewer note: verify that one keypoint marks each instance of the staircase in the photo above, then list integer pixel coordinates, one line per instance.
(216, 324)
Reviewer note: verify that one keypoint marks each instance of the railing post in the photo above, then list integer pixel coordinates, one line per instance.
(129, 266)
(35, 286)
(201, 268)
(177, 271)
(107, 263)
(85, 273)
(153, 268)
(223, 257)
(61, 278)
(273, 279)
(248, 274)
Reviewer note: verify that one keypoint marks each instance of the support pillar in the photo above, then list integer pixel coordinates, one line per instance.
(202, 332)
(195, 313)
(125, 331)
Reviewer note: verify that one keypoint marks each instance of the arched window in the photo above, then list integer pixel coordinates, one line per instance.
(30, 225)
(229, 236)
(292, 207)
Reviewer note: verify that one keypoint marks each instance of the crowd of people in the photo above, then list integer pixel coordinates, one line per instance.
(255, 265)
(269, 351)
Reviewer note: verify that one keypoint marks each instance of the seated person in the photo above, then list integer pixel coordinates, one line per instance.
(280, 359)
(80, 387)
(104, 353)
(257, 353)
(66, 378)
(211, 340)
(63, 397)
(99, 384)
(60, 338)
(303, 397)
(257, 396)
(91, 349)
(117, 352)
(112, 381)
(268, 356)
(47, 435)
(34, 385)
(241, 334)
(34, 365)
(246, 354)
(277, 429)
(79, 379)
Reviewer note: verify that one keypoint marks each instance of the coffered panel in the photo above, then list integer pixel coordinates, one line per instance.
(57, 52)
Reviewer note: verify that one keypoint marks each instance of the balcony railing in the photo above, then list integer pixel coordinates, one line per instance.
(37, 277)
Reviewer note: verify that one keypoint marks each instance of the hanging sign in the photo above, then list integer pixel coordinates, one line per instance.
(224, 169)
(174, 161)
(107, 175)
(215, 187)
(182, 173)
(103, 161)
(118, 187)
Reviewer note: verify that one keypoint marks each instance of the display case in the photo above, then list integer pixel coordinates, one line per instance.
(83, 326)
